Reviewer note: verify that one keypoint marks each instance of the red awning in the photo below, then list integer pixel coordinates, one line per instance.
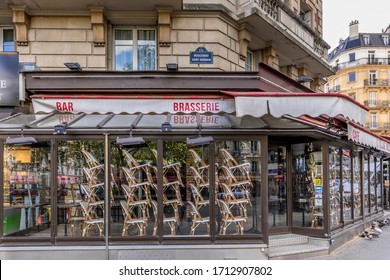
(278, 104)
(363, 136)
(134, 103)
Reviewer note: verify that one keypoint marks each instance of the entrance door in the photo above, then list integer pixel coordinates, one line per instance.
(295, 190)
(307, 188)
(277, 189)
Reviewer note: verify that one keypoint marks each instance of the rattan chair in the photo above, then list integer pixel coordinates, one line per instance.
(197, 219)
(227, 218)
(198, 198)
(90, 221)
(131, 219)
(172, 222)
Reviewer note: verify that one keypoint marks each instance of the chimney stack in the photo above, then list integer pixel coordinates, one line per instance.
(354, 29)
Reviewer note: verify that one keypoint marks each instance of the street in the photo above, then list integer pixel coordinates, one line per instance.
(362, 249)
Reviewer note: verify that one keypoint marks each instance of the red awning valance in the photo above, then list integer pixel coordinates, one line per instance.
(277, 104)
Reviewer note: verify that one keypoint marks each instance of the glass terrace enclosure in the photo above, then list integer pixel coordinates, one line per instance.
(203, 178)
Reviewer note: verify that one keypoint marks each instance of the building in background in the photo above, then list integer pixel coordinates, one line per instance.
(362, 65)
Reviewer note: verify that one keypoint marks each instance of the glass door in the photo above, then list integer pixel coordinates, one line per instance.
(277, 188)
(307, 187)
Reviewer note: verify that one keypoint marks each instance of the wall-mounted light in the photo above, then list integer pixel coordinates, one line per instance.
(60, 128)
(172, 67)
(130, 141)
(200, 140)
(74, 66)
(21, 140)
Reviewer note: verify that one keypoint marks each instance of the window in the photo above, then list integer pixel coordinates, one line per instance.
(371, 57)
(373, 120)
(385, 39)
(135, 49)
(373, 77)
(7, 39)
(366, 39)
(352, 57)
(352, 77)
(372, 98)
(249, 61)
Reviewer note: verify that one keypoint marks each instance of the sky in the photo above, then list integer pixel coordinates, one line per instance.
(373, 16)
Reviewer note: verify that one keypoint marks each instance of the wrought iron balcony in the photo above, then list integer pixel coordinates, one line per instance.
(377, 82)
(378, 125)
(380, 104)
(363, 61)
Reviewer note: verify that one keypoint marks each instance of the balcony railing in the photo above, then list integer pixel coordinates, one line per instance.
(378, 125)
(287, 18)
(377, 82)
(380, 104)
(363, 61)
(334, 89)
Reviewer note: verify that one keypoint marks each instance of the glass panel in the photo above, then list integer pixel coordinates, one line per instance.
(123, 37)
(124, 58)
(146, 47)
(27, 191)
(357, 185)
(57, 119)
(123, 50)
(347, 188)
(89, 121)
(372, 185)
(80, 188)
(185, 194)
(334, 186)
(120, 121)
(378, 184)
(238, 194)
(20, 120)
(366, 193)
(8, 40)
(307, 186)
(152, 121)
(134, 190)
(277, 189)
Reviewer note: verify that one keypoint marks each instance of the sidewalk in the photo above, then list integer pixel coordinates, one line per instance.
(362, 249)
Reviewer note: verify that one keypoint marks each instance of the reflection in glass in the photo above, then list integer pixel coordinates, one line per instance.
(27, 192)
(372, 181)
(307, 187)
(357, 185)
(123, 50)
(334, 186)
(379, 180)
(365, 185)
(277, 189)
(347, 187)
(80, 188)
(238, 192)
(134, 185)
(146, 50)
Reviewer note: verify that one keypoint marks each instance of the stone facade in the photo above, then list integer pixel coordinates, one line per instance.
(279, 33)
